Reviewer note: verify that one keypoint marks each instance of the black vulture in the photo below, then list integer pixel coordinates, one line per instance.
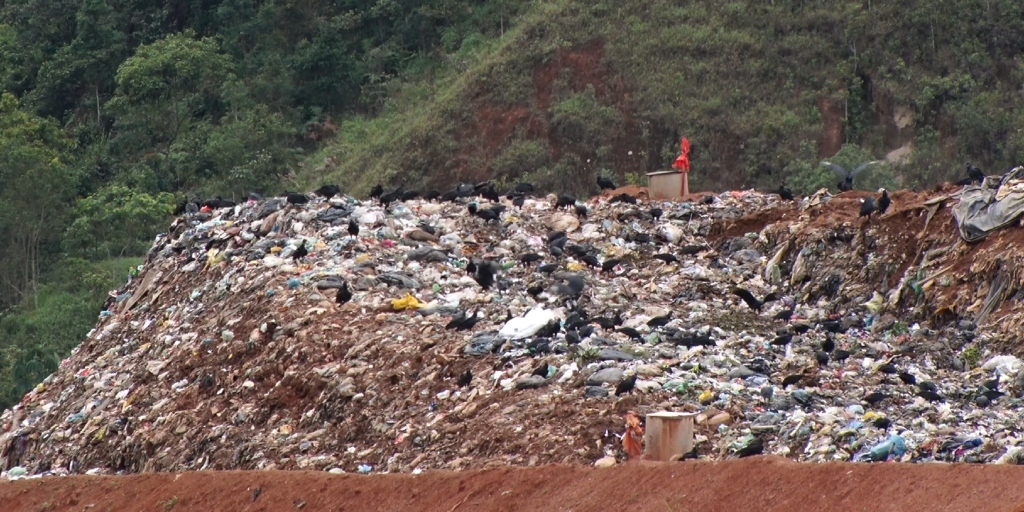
(751, 300)
(974, 173)
(867, 207)
(847, 183)
(882, 204)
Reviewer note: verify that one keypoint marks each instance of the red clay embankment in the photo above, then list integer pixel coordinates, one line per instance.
(762, 483)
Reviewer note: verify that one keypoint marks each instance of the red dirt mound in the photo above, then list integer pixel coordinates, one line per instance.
(767, 483)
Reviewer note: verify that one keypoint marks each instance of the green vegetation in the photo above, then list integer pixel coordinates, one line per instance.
(972, 356)
(170, 503)
(114, 109)
(36, 334)
(763, 90)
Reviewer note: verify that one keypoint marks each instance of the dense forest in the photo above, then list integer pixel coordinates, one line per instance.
(114, 109)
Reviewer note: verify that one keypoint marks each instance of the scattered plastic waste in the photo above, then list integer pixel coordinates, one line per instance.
(225, 352)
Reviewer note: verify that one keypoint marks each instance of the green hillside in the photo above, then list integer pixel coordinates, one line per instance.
(764, 91)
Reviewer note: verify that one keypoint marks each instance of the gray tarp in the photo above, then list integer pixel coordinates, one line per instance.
(985, 207)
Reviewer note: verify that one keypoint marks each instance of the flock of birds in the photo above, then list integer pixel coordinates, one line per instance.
(827, 351)
(517, 195)
(569, 286)
(881, 204)
(564, 285)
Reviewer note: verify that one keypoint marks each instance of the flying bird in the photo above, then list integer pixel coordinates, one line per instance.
(751, 300)
(847, 183)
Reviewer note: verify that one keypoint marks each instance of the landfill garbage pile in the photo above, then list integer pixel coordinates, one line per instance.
(341, 335)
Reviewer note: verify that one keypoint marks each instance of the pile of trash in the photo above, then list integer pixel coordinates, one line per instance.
(269, 336)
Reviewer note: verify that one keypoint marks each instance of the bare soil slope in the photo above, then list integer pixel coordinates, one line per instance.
(762, 483)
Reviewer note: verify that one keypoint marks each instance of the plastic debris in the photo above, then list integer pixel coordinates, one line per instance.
(225, 352)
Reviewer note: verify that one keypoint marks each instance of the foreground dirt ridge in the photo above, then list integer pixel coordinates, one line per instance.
(767, 484)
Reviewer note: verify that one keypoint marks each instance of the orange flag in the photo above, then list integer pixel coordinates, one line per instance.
(683, 160)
